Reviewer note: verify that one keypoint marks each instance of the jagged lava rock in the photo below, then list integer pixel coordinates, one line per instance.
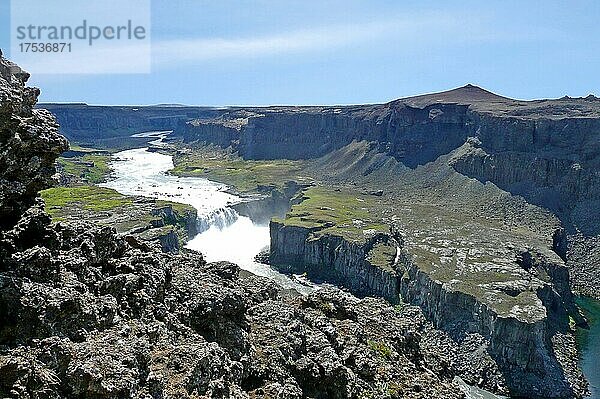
(29, 144)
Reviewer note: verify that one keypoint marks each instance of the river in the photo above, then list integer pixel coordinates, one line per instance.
(224, 235)
(589, 344)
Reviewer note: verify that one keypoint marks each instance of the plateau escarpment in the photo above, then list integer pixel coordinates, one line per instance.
(310, 132)
(545, 151)
(112, 126)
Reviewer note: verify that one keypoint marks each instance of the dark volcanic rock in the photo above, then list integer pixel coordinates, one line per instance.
(90, 314)
(332, 258)
(29, 144)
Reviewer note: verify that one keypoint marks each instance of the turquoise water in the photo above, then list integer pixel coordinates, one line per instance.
(589, 344)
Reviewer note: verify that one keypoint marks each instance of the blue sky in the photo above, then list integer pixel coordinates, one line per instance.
(346, 52)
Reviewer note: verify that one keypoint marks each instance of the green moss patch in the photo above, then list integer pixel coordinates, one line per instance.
(341, 213)
(228, 168)
(86, 197)
(382, 255)
(380, 348)
(91, 168)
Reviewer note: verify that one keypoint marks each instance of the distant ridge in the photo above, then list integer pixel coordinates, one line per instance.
(467, 94)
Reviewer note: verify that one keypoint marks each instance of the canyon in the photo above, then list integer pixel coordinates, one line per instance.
(89, 313)
(474, 214)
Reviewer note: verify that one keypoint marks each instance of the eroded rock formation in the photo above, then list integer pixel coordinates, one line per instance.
(29, 144)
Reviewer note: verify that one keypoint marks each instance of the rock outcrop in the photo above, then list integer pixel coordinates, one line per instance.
(297, 249)
(29, 144)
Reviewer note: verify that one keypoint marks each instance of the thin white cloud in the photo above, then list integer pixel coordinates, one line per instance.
(300, 41)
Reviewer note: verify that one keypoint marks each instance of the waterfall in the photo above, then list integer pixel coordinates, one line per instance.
(220, 218)
(235, 239)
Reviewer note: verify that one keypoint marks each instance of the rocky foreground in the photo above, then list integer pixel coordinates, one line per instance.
(87, 313)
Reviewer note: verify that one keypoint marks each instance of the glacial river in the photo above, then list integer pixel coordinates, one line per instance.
(225, 236)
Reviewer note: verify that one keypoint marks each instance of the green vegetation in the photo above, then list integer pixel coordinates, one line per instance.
(242, 175)
(85, 197)
(148, 218)
(326, 307)
(572, 323)
(400, 307)
(82, 148)
(340, 213)
(178, 208)
(91, 168)
(381, 348)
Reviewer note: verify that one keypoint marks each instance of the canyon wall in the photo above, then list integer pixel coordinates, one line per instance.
(521, 341)
(553, 163)
(98, 125)
(546, 151)
(413, 135)
(332, 258)
(520, 335)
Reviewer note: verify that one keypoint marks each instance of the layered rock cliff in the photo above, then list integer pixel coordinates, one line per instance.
(297, 249)
(468, 276)
(110, 125)
(546, 151)
(415, 135)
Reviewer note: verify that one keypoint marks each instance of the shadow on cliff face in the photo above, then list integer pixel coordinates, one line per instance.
(413, 135)
(550, 163)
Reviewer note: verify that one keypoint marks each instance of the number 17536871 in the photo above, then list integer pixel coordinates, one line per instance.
(45, 47)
